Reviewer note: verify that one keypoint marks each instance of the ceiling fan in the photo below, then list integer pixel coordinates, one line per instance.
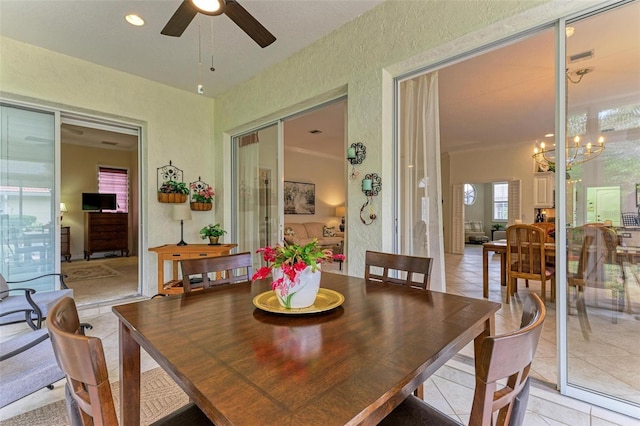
(238, 14)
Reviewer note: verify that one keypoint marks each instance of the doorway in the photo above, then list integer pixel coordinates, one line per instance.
(603, 204)
(98, 156)
(313, 153)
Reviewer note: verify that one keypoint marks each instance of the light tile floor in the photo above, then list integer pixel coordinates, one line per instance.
(450, 389)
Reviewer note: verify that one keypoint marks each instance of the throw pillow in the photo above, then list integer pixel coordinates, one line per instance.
(289, 231)
(328, 231)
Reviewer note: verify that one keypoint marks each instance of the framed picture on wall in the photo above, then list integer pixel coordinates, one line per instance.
(637, 194)
(299, 198)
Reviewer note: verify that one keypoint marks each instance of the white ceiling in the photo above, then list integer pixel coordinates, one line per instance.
(95, 30)
(501, 97)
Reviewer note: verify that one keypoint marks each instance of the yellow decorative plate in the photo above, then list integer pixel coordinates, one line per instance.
(325, 301)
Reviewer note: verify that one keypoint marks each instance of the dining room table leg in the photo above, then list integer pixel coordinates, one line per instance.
(489, 330)
(129, 377)
(485, 272)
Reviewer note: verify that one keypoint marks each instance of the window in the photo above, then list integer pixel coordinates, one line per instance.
(115, 181)
(469, 194)
(500, 201)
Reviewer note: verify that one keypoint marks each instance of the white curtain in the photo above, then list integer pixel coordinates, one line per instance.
(419, 148)
(248, 194)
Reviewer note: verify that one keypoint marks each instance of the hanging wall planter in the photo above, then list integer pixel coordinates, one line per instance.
(201, 206)
(201, 195)
(172, 189)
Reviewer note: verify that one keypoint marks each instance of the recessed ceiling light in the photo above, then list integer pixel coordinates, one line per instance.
(134, 19)
(549, 135)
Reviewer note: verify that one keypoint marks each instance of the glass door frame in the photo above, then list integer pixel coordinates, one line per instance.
(563, 385)
(11, 103)
(278, 178)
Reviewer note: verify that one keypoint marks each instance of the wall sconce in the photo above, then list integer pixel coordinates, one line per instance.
(371, 187)
(356, 154)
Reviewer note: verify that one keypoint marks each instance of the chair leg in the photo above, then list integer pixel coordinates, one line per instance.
(543, 288)
(508, 292)
(419, 392)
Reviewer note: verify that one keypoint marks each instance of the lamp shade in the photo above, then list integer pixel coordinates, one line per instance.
(181, 212)
(63, 207)
(340, 211)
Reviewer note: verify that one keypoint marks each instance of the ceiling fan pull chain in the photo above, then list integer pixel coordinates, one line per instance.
(200, 86)
(212, 67)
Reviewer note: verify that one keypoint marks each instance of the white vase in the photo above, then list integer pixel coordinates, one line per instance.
(301, 293)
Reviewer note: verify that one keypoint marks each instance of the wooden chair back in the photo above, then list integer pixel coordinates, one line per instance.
(546, 227)
(411, 265)
(526, 258)
(82, 360)
(505, 359)
(217, 270)
(507, 356)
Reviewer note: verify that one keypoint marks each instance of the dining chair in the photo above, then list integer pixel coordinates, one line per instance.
(398, 262)
(597, 267)
(547, 227)
(410, 265)
(82, 360)
(506, 359)
(526, 259)
(230, 269)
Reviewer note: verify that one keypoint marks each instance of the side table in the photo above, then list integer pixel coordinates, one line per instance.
(65, 242)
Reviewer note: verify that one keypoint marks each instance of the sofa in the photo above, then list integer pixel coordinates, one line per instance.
(304, 233)
(474, 232)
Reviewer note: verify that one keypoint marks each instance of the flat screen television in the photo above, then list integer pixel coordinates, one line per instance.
(95, 201)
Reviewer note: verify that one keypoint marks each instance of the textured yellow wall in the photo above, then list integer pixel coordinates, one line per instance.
(354, 60)
(177, 125)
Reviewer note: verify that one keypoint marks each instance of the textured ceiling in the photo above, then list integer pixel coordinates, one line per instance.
(497, 98)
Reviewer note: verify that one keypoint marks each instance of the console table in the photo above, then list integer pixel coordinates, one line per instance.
(175, 253)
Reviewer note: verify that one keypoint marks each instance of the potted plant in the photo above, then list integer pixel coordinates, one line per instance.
(173, 191)
(201, 198)
(296, 271)
(213, 232)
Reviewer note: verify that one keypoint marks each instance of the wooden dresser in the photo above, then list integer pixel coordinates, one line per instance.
(65, 242)
(106, 232)
(174, 253)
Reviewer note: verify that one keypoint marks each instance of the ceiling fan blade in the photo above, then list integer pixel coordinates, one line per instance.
(248, 23)
(180, 20)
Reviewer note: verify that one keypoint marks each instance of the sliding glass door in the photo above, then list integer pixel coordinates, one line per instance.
(28, 221)
(256, 178)
(602, 199)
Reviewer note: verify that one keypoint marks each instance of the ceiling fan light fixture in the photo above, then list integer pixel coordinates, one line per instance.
(209, 7)
(134, 19)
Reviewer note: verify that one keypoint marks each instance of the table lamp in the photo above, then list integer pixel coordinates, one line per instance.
(340, 212)
(181, 212)
(63, 209)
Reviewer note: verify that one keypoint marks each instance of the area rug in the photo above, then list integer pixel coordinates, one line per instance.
(87, 271)
(160, 395)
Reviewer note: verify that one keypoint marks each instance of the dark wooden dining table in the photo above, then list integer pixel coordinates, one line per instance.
(244, 366)
(500, 247)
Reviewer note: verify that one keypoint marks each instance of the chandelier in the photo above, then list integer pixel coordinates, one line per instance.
(576, 153)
